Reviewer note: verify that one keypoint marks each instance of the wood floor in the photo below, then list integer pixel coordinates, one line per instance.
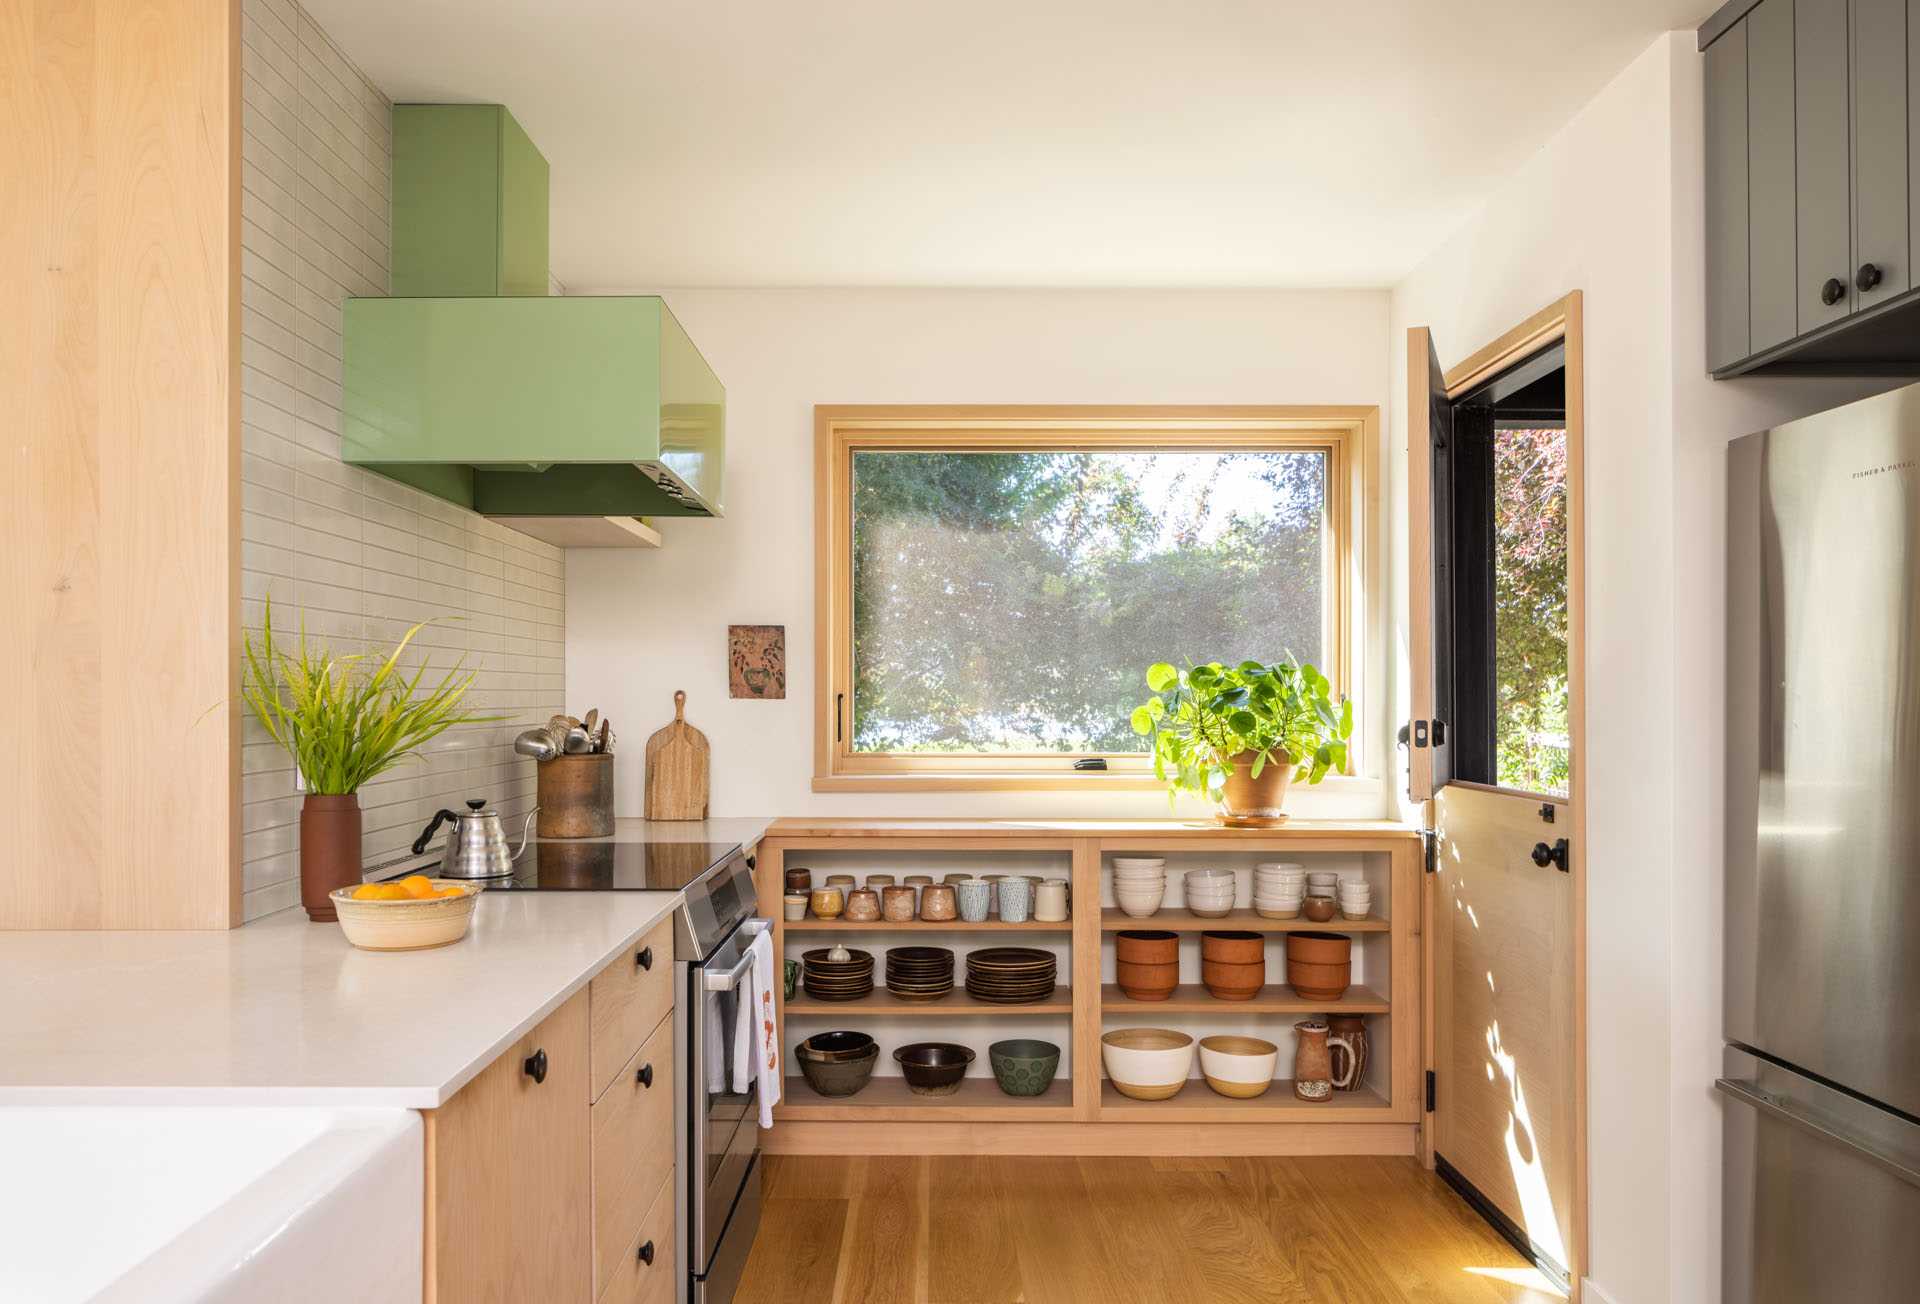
(1048, 1230)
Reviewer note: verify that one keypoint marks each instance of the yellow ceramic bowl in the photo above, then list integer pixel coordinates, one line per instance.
(410, 925)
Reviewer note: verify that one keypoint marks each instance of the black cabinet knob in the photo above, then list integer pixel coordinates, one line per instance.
(646, 1254)
(1867, 277)
(645, 958)
(536, 1066)
(645, 1076)
(1833, 291)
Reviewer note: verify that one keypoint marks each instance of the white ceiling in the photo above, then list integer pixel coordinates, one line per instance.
(1008, 142)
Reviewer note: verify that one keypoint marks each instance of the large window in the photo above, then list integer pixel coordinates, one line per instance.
(995, 584)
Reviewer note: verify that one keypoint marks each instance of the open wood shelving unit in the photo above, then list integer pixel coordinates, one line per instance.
(1084, 1113)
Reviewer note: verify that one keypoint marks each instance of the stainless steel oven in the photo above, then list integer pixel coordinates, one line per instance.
(717, 1146)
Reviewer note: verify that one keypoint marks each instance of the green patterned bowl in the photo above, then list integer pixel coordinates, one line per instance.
(1023, 1067)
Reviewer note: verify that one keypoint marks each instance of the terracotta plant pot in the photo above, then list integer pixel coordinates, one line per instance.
(329, 851)
(1147, 946)
(1146, 982)
(1245, 797)
(1233, 947)
(1233, 982)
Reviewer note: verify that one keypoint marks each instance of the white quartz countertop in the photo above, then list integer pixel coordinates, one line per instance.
(286, 1012)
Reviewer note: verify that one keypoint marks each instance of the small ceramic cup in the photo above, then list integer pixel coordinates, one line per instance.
(956, 878)
(795, 906)
(863, 905)
(898, 904)
(1319, 909)
(800, 880)
(918, 880)
(827, 902)
(976, 899)
(880, 882)
(1050, 901)
(1016, 899)
(937, 902)
(840, 880)
(792, 977)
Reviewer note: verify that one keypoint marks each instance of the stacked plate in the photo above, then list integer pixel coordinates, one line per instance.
(837, 980)
(1278, 890)
(1210, 892)
(1139, 884)
(1356, 898)
(919, 973)
(1010, 975)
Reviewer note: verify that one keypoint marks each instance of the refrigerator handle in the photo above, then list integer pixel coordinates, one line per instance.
(1747, 1094)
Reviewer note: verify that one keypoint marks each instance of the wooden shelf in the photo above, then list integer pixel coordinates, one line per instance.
(1275, 998)
(887, 1099)
(991, 923)
(1199, 1103)
(1181, 920)
(882, 1002)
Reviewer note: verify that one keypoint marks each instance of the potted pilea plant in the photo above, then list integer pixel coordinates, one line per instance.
(1237, 735)
(343, 720)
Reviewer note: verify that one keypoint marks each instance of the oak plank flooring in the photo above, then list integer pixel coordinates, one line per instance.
(978, 1229)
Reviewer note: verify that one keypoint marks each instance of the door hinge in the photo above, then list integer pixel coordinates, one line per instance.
(1430, 849)
(1430, 1091)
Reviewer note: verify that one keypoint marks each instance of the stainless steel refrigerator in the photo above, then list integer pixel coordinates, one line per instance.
(1821, 1086)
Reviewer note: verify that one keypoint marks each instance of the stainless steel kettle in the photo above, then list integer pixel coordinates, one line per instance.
(477, 847)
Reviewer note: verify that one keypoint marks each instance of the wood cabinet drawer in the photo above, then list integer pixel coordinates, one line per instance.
(632, 1148)
(634, 1279)
(628, 999)
(507, 1161)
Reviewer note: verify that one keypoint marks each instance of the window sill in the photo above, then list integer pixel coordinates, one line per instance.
(1347, 786)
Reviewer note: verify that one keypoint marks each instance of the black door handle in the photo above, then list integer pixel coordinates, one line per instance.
(1867, 277)
(1833, 291)
(645, 958)
(645, 1076)
(536, 1066)
(646, 1254)
(1544, 855)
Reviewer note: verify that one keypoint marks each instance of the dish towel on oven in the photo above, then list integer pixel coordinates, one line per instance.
(756, 1038)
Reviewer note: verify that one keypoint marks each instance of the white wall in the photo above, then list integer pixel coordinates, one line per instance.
(356, 556)
(641, 624)
(1612, 206)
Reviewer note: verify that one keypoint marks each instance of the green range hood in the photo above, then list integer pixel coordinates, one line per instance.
(475, 386)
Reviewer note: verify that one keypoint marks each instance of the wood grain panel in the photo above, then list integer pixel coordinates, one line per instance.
(632, 1149)
(508, 1173)
(636, 1281)
(628, 1001)
(119, 357)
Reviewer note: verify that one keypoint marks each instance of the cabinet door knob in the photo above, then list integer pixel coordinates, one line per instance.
(646, 1254)
(536, 1066)
(1867, 277)
(1555, 855)
(645, 958)
(1833, 291)
(645, 1076)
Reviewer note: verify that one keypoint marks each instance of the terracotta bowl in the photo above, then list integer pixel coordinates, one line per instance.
(1233, 947)
(1147, 946)
(1319, 982)
(1233, 982)
(410, 925)
(1146, 982)
(1240, 1067)
(1320, 948)
(1147, 1063)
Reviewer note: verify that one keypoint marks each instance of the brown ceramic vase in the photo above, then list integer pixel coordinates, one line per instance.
(329, 850)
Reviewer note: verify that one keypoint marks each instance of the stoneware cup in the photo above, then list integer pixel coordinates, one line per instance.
(799, 880)
(975, 898)
(1016, 900)
(898, 904)
(863, 905)
(1050, 901)
(827, 902)
(840, 881)
(795, 906)
(937, 902)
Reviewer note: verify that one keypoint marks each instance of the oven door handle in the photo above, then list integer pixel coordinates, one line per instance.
(715, 981)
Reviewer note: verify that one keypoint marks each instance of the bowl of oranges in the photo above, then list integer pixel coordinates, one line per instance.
(408, 914)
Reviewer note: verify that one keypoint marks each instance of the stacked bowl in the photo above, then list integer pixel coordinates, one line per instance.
(1356, 898)
(1210, 892)
(827, 979)
(1233, 965)
(919, 973)
(1146, 963)
(1139, 884)
(1319, 965)
(837, 1063)
(1278, 890)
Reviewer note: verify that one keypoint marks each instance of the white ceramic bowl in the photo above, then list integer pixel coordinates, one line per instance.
(1139, 862)
(1241, 1067)
(408, 925)
(1215, 874)
(1147, 1063)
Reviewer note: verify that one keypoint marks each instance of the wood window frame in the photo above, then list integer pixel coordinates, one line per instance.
(1349, 436)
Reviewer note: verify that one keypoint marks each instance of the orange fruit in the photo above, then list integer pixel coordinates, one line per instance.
(417, 886)
(367, 892)
(449, 891)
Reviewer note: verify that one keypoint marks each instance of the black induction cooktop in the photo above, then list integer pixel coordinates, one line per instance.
(612, 866)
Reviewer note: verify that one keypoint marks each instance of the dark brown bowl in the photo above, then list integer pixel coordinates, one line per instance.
(830, 1046)
(839, 1077)
(933, 1068)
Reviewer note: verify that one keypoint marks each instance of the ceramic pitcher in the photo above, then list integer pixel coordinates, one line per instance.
(1352, 1028)
(1313, 1076)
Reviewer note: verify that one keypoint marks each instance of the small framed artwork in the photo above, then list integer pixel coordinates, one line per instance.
(757, 661)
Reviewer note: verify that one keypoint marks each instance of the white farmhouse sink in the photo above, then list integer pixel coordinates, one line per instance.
(187, 1203)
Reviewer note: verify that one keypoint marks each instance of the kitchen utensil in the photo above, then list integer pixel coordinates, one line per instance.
(1239, 1067)
(1024, 1066)
(578, 741)
(537, 743)
(604, 741)
(477, 846)
(414, 924)
(1147, 1063)
(933, 1068)
(677, 762)
(591, 719)
(1313, 1077)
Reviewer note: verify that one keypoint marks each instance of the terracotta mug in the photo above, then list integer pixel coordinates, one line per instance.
(1313, 1075)
(1351, 1028)
(898, 904)
(863, 905)
(937, 902)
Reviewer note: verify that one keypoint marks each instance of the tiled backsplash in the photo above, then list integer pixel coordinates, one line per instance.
(356, 556)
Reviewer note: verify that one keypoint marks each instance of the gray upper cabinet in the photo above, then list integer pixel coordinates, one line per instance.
(1812, 185)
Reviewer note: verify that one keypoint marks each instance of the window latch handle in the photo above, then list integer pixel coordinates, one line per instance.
(1091, 763)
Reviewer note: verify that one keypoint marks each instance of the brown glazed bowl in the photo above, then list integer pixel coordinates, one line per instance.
(1234, 947)
(1233, 982)
(1146, 982)
(799, 880)
(1318, 909)
(839, 1077)
(1147, 946)
(933, 1068)
(829, 1046)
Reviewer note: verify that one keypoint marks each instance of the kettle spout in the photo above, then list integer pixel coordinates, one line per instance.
(526, 833)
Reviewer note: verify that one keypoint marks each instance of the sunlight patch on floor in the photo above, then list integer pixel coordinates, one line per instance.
(1531, 1279)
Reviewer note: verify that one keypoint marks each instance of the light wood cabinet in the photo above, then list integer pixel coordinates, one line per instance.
(546, 1176)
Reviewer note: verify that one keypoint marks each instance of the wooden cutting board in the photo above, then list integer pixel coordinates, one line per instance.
(677, 760)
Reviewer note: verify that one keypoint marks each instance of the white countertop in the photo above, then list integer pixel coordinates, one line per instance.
(285, 1012)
